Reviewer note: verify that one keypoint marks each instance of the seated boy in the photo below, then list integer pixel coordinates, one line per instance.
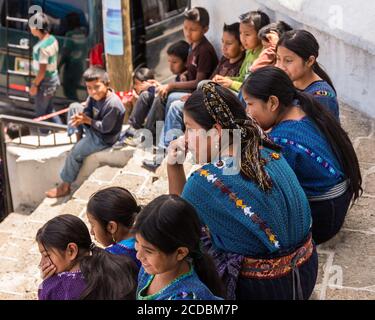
(101, 122)
(149, 105)
(201, 63)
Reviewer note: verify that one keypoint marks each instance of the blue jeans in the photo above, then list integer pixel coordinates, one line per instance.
(43, 99)
(89, 144)
(173, 125)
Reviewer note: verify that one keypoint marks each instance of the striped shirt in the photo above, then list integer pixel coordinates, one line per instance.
(46, 52)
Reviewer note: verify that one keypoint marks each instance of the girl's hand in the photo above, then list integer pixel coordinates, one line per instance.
(273, 38)
(225, 82)
(177, 151)
(47, 270)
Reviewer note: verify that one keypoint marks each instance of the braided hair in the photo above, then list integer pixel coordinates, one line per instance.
(223, 108)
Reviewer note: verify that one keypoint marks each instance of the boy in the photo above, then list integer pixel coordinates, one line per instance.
(44, 66)
(201, 63)
(148, 105)
(102, 121)
(250, 24)
(233, 52)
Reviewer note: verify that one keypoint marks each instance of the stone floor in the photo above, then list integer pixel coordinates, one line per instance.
(347, 263)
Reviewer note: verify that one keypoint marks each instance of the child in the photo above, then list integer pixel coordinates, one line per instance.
(201, 63)
(143, 94)
(167, 235)
(297, 54)
(149, 105)
(233, 52)
(314, 144)
(74, 268)
(101, 120)
(250, 24)
(111, 213)
(44, 66)
(269, 35)
(202, 59)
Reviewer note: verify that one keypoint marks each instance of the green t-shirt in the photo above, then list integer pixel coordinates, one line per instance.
(251, 56)
(46, 52)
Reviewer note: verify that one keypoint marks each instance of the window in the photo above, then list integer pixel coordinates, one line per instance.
(158, 10)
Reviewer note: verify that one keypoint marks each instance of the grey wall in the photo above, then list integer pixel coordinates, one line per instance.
(344, 29)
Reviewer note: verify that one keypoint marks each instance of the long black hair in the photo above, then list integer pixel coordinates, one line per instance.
(229, 107)
(170, 222)
(305, 45)
(272, 81)
(113, 204)
(108, 276)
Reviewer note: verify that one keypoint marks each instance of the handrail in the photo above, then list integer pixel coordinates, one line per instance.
(4, 120)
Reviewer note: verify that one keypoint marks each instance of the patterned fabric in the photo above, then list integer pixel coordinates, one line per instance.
(252, 135)
(325, 95)
(63, 286)
(283, 213)
(228, 265)
(309, 155)
(46, 52)
(278, 267)
(125, 247)
(186, 287)
(241, 204)
(313, 155)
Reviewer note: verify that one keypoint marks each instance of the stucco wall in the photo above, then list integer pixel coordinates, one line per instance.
(344, 29)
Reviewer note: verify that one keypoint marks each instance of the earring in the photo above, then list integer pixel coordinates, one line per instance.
(113, 238)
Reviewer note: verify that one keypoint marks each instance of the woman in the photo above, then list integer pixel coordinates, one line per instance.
(257, 220)
(316, 147)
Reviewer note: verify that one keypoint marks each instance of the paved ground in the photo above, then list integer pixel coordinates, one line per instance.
(347, 263)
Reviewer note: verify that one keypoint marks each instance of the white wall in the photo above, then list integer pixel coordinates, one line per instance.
(33, 171)
(344, 29)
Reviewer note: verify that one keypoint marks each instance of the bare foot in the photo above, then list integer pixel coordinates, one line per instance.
(61, 191)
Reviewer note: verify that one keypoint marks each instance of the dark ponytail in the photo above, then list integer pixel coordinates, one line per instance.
(107, 276)
(170, 222)
(305, 45)
(272, 81)
(113, 204)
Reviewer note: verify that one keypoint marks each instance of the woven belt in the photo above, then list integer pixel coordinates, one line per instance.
(278, 267)
(335, 192)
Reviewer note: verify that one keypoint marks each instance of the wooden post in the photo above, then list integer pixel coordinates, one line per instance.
(120, 68)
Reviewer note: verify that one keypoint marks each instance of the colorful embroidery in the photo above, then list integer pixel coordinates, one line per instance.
(278, 267)
(240, 204)
(312, 154)
(323, 93)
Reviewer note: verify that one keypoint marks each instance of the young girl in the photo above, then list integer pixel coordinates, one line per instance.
(168, 245)
(74, 268)
(297, 54)
(257, 217)
(111, 213)
(270, 36)
(314, 144)
(250, 24)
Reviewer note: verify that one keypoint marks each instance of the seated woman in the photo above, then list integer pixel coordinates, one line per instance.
(297, 54)
(316, 147)
(257, 218)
